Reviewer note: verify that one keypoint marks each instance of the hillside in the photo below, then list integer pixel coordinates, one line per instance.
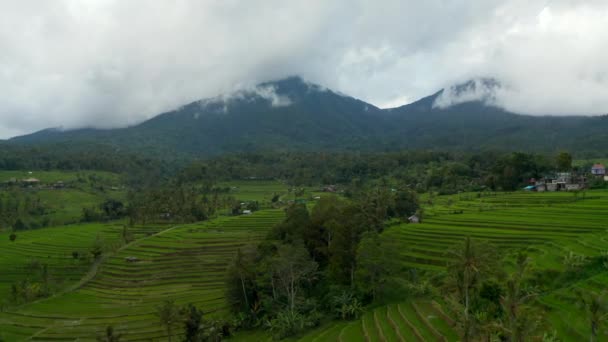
(292, 114)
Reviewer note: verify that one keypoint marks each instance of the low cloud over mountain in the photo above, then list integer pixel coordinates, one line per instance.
(110, 63)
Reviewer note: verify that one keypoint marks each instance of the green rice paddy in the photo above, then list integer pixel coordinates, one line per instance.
(187, 263)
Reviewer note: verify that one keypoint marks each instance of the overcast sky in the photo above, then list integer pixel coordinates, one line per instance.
(111, 63)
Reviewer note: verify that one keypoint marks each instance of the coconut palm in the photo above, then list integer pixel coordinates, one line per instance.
(169, 315)
(470, 262)
(596, 308)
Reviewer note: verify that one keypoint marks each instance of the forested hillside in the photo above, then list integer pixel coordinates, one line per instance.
(293, 115)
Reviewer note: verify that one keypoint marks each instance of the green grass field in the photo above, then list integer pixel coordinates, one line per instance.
(64, 205)
(47, 177)
(256, 190)
(417, 321)
(186, 263)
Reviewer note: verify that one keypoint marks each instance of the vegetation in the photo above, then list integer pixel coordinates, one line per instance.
(309, 250)
(317, 119)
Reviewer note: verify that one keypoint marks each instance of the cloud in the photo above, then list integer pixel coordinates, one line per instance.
(112, 63)
(220, 103)
(479, 89)
(269, 93)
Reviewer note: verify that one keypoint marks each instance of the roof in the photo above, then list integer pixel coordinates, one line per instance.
(598, 166)
(31, 180)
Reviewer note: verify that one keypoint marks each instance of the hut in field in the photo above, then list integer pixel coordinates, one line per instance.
(30, 182)
(131, 259)
(413, 219)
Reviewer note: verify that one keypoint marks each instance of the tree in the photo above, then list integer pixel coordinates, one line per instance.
(126, 235)
(169, 315)
(374, 206)
(241, 279)
(470, 263)
(193, 323)
(19, 225)
(110, 335)
(373, 263)
(520, 322)
(296, 222)
(98, 246)
(291, 267)
(564, 161)
(343, 251)
(406, 203)
(596, 309)
(347, 306)
(113, 209)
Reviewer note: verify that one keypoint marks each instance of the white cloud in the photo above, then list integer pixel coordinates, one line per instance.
(110, 63)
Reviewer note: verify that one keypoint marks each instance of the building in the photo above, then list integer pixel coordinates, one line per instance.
(414, 219)
(561, 181)
(598, 170)
(30, 182)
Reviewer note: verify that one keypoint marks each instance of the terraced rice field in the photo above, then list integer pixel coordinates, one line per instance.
(565, 311)
(256, 190)
(185, 263)
(22, 259)
(549, 225)
(54, 176)
(413, 321)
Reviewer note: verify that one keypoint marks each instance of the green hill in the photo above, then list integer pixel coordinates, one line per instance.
(292, 114)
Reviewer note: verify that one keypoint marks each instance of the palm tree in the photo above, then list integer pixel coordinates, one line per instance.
(109, 336)
(469, 263)
(169, 315)
(520, 320)
(597, 310)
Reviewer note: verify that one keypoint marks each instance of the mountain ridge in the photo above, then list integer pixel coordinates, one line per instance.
(292, 114)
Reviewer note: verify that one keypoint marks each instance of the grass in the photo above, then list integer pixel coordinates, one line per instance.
(394, 322)
(256, 190)
(548, 225)
(64, 205)
(187, 263)
(48, 177)
(184, 263)
(23, 258)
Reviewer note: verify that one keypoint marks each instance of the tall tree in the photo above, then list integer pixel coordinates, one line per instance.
(110, 335)
(291, 267)
(373, 263)
(169, 314)
(470, 263)
(520, 322)
(564, 161)
(193, 323)
(596, 309)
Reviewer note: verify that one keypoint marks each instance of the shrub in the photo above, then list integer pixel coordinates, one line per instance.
(12, 237)
(288, 323)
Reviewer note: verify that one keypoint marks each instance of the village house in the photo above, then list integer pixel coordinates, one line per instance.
(30, 182)
(598, 170)
(561, 181)
(330, 188)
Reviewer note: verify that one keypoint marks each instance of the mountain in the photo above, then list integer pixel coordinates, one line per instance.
(292, 114)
